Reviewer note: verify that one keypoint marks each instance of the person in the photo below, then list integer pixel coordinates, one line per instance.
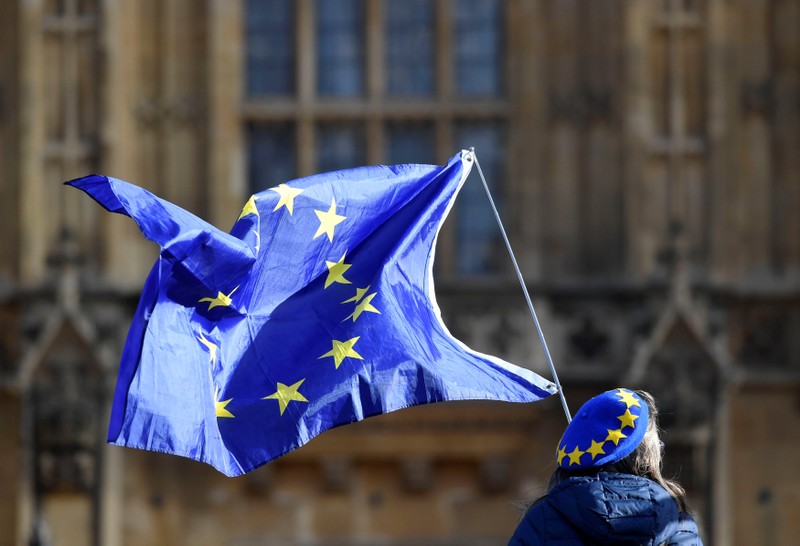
(607, 487)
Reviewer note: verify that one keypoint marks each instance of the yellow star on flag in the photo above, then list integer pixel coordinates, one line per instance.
(211, 346)
(328, 221)
(562, 452)
(336, 271)
(615, 436)
(365, 306)
(249, 208)
(575, 456)
(219, 406)
(627, 419)
(220, 301)
(286, 394)
(342, 350)
(596, 449)
(359, 294)
(287, 194)
(628, 398)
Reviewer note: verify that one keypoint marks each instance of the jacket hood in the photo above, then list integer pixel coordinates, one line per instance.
(607, 508)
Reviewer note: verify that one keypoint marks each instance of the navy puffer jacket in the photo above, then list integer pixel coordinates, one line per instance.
(606, 508)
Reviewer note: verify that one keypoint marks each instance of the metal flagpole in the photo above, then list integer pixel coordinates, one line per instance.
(524, 290)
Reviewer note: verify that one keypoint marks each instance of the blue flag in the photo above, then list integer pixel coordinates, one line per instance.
(317, 310)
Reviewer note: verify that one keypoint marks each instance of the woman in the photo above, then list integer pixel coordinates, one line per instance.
(608, 487)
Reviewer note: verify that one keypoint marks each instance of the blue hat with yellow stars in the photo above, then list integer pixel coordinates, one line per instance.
(606, 429)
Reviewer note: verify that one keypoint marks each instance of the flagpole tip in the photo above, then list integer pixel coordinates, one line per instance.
(470, 154)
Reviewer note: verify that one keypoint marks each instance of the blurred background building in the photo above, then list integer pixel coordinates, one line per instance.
(645, 155)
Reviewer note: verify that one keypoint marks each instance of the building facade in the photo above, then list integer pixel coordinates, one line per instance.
(644, 157)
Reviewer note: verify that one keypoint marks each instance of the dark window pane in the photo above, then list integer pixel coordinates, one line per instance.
(340, 146)
(340, 47)
(410, 143)
(409, 47)
(270, 47)
(479, 244)
(478, 47)
(272, 157)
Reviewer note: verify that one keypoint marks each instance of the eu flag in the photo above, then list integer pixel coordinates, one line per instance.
(315, 311)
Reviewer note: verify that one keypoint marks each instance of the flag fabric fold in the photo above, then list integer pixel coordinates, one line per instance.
(315, 311)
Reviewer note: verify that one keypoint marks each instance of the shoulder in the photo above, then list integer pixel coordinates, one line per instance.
(670, 525)
(687, 533)
(544, 523)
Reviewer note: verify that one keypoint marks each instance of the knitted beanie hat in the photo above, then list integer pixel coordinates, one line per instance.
(606, 429)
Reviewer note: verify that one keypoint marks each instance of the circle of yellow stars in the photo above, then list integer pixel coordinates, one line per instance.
(340, 349)
(626, 420)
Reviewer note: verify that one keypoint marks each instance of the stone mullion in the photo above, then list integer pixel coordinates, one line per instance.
(12, 503)
(527, 39)
(564, 223)
(600, 150)
(149, 107)
(755, 169)
(444, 80)
(32, 242)
(376, 81)
(71, 131)
(306, 86)
(676, 114)
(786, 119)
(587, 56)
(172, 24)
(9, 138)
(695, 153)
(444, 138)
(720, 128)
(721, 476)
(82, 115)
(228, 184)
(443, 26)
(168, 20)
(182, 100)
(125, 256)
